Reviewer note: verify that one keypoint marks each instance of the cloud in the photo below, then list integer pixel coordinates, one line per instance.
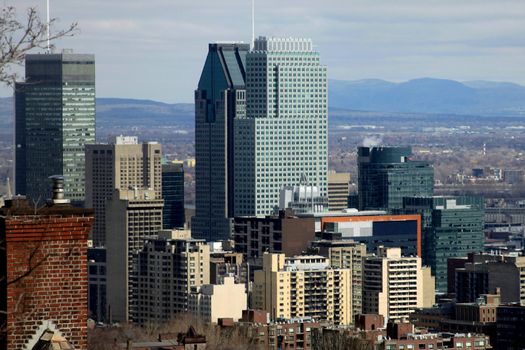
(155, 49)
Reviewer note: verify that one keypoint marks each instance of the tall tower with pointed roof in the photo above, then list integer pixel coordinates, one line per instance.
(219, 99)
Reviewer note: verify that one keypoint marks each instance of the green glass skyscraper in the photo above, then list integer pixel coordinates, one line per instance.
(283, 136)
(452, 227)
(54, 119)
(387, 174)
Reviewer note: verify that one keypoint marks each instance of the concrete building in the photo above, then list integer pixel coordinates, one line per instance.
(43, 289)
(54, 120)
(394, 286)
(387, 174)
(173, 195)
(131, 217)
(345, 254)
(283, 135)
(285, 233)
(452, 227)
(210, 302)
(374, 228)
(219, 99)
(121, 165)
(338, 190)
(484, 274)
(303, 286)
(168, 266)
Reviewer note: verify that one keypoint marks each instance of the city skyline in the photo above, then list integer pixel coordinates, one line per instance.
(397, 42)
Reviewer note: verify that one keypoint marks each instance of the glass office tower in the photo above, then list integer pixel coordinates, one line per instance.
(54, 119)
(283, 135)
(452, 228)
(173, 195)
(219, 99)
(387, 174)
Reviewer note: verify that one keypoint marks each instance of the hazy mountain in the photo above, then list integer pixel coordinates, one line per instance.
(423, 96)
(428, 95)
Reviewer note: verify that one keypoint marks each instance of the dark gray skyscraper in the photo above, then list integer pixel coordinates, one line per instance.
(55, 118)
(173, 195)
(219, 99)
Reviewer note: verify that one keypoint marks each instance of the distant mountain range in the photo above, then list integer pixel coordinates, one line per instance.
(425, 96)
(428, 95)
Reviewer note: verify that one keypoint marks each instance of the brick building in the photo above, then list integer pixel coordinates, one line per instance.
(45, 262)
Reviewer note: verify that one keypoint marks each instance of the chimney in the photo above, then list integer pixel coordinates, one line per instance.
(58, 190)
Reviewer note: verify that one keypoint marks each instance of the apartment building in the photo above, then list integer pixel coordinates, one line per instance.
(345, 254)
(168, 266)
(394, 286)
(303, 286)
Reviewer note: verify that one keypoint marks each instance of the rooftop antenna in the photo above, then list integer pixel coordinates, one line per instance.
(48, 23)
(253, 23)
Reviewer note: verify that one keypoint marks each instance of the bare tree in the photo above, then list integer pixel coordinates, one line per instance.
(19, 36)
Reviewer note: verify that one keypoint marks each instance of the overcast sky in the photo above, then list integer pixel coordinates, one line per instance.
(155, 49)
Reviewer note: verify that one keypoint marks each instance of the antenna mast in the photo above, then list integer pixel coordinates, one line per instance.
(48, 22)
(253, 23)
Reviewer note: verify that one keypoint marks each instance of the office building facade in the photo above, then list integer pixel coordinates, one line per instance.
(173, 195)
(387, 174)
(219, 99)
(282, 138)
(122, 165)
(452, 227)
(54, 120)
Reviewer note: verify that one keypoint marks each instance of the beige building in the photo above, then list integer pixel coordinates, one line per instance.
(346, 254)
(168, 267)
(131, 217)
(124, 164)
(213, 301)
(338, 187)
(394, 286)
(303, 286)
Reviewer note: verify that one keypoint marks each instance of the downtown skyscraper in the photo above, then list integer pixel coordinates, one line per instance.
(219, 99)
(54, 120)
(283, 135)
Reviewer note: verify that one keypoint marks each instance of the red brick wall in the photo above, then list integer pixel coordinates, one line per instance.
(54, 249)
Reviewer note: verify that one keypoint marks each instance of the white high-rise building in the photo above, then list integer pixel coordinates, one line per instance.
(283, 135)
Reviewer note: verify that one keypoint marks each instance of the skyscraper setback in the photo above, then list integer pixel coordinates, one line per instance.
(54, 119)
(283, 135)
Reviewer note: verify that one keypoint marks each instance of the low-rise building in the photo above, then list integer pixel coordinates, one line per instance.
(213, 301)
